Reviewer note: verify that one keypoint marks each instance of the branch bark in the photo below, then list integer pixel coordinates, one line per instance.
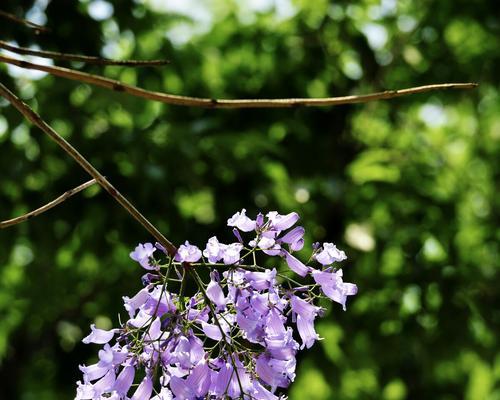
(77, 57)
(22, 21)
(224, 103)
(34, 118)
(66, 195)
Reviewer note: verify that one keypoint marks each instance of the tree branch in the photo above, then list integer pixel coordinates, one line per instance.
(77, 57)
(25, 22)
(32, 116)
(66, 195)
(223, 103)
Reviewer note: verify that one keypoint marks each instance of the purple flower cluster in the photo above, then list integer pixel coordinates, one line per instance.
(236, 337)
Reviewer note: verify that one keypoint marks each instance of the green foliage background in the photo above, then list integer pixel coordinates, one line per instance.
(407, 187)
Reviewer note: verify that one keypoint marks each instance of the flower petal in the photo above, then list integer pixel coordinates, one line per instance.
(293, 235)
(307, 333)
(124, 380)
(241, 221)
(99, 336)
(144, 390)
(295, 265)
(215, 294)
(212, 331)
(282, 222)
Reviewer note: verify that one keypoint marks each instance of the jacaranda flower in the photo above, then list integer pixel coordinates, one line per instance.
(234, 337)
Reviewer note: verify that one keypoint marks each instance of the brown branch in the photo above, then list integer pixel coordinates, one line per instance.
(77, 57)
(66, 195)
(32, 116)
(25, 22)
(222, 103)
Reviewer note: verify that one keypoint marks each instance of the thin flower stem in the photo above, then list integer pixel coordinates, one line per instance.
(32, 116)
(22, 21)
(225, 103)
(54, 55)
(219, 265)
(182, 306)
(174, 280)
(290, 279)
(66, 195)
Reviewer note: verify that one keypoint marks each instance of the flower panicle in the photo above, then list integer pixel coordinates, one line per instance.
(237, 337)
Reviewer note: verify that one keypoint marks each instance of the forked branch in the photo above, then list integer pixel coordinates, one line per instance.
(66, 195)
(223, 103)
(34, 118)
(54, 55)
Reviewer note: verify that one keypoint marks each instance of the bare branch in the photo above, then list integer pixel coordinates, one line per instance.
(223, 103)
(77, 57)
(25, 22)
(48, 206)
(32, 116)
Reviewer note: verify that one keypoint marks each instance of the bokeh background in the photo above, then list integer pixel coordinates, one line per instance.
(408, 187)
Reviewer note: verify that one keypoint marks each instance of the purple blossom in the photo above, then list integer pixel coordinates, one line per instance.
(237, 234)
(241, 221)
(330, 254)
(333, 286)
(226, 381)
(144, 390)
(275, 373)
(259, 221)
(214, 250)
(93, 372)
(195, 386)
(282, 222)
(232, 253)
(124, 380)
(184, 352)
(111, 356)
(215, 293)
(306, 313)
(188, 253)
(105, 384)
(303, 308)
(184, 343)
(295, 265)
(99, 336)
(142, 254)
(263, 243)
(282, 347)
(84, 391)
(132, 304)
(261, 393)
(294, 238)
(212, 331)
(261, 280)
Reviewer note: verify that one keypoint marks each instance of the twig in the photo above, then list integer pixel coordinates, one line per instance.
(22, 21)
(223, 103)
(32, 116)
(77, 57)
(48, 206)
